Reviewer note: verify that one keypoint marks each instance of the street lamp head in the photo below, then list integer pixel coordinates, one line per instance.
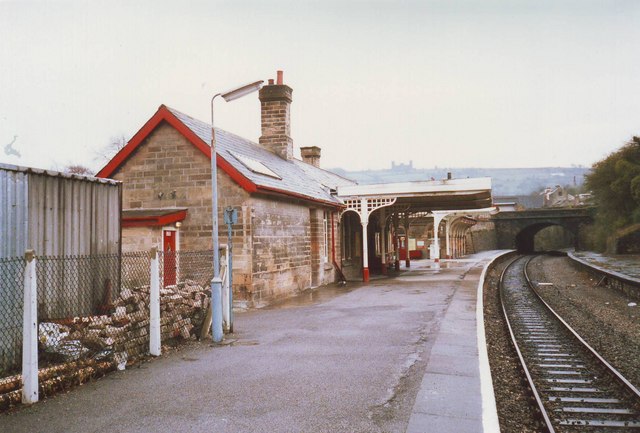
(239, 92)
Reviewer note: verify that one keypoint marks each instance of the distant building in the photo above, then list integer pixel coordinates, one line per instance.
(402, 167)
(518, 202)
(558, 197)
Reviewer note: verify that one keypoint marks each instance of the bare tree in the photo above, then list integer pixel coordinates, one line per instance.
(78, 169)
(116, 143)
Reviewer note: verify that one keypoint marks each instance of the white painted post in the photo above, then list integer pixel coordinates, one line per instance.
(226, 319)
(216, 305)
(364, 220)
(437, 218)
(365, 253)
(155, 344)
(30, 332)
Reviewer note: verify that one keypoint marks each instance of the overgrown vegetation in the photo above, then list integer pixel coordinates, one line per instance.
(615, 184)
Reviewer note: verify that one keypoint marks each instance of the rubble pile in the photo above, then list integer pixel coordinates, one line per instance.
(124, 334)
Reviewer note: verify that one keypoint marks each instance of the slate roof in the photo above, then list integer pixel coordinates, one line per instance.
(296, 177)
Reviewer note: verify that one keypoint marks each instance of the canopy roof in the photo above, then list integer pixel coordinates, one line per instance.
(427, 196)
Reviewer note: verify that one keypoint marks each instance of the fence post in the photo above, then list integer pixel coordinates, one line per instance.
(30, 332)
(154, 306)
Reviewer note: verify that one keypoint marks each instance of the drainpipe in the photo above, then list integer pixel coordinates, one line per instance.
(333, 253)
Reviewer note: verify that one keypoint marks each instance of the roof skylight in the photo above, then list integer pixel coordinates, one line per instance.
(255, 165)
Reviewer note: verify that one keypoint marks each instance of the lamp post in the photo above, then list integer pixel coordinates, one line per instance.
(216, 282)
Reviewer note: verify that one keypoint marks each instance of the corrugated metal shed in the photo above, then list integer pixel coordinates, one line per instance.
(57, 214)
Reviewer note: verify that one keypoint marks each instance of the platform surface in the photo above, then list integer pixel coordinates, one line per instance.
(399, 354)
(627, 265)
(456, 393)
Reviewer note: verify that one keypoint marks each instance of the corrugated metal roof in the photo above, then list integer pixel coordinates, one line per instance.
(57, 214)
(53, 173)
(296, 176)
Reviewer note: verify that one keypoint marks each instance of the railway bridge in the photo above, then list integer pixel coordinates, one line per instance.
(517, 229)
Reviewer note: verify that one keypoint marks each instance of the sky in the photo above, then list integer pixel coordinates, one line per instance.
(468, 83)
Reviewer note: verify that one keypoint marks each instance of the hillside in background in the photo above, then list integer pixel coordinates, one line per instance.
(506, 182)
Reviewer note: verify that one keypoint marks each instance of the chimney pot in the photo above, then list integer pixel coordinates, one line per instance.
(311, 155)
(280, 79)
(271, 81)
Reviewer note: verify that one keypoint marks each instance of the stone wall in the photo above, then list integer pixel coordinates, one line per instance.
(231, 195)
(164, 163)
(140, 238)
(482, 237)
(282, 258)
(316, 222)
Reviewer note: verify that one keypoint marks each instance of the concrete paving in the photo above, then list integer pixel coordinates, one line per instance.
(398, 354)
(456, 393)
(627, 265)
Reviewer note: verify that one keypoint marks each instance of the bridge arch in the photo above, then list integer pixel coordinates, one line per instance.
(525, 240)
(517, 229)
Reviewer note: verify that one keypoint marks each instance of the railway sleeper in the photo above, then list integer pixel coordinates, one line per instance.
(600, 423)
(598, 410)
(585, 400)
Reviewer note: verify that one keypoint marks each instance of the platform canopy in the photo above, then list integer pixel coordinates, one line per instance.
(443, 200)
(426, 196)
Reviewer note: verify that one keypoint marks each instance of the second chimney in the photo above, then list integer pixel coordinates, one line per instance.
(275, 104)
(311, 155)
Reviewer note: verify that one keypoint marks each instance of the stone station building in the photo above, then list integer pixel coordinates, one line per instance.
(299, 226)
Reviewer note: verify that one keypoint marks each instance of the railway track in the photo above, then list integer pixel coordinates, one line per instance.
(575, 388)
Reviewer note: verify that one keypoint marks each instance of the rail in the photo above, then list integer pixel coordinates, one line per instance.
(560, 367)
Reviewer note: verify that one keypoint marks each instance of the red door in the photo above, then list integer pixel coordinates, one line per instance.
(169, 242)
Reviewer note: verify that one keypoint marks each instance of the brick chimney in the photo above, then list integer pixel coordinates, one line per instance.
(311, 155)
(275, 104)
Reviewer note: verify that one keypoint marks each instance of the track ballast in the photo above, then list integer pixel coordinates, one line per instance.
(575, 388)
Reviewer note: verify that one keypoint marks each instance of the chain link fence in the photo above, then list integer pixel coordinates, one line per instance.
(93, 311)
(185, 278)
(11, 306)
